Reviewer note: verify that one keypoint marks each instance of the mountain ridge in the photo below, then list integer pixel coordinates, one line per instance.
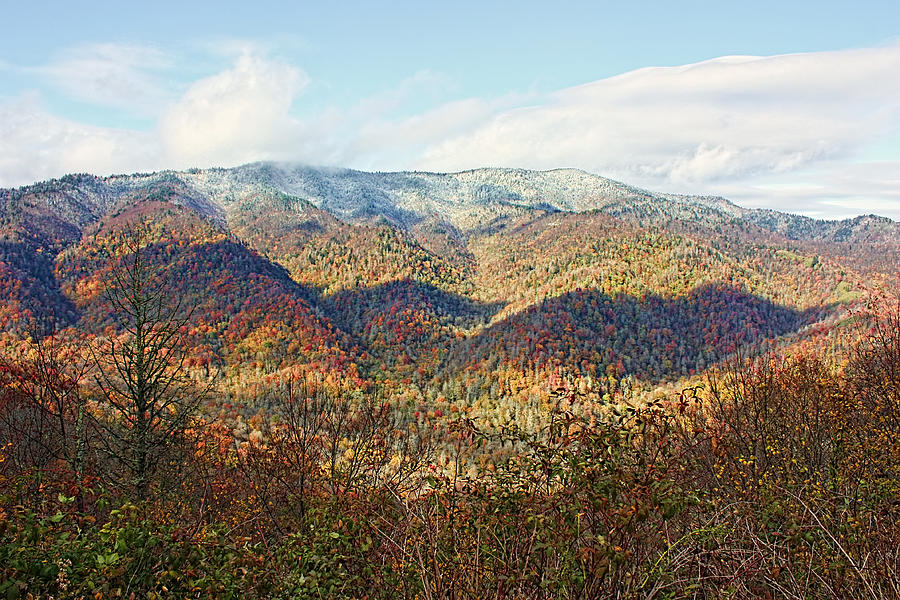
(405, 198)
(425, 281)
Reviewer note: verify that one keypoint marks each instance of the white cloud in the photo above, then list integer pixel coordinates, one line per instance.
(791, 132)
(36, 145)
(123, 76)
(832, 189)
(239, 115)
(383, 143)
(686, 126)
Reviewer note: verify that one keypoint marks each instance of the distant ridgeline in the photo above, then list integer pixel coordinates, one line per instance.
(475, 291)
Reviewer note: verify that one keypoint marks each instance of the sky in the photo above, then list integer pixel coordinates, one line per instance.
(792, 105)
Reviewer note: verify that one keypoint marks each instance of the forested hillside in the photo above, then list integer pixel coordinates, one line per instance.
(415, 267)
(292, 382)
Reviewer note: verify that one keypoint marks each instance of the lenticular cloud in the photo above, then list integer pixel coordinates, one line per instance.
(716, 120)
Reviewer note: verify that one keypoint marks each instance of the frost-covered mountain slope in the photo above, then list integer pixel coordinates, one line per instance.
(469, 201)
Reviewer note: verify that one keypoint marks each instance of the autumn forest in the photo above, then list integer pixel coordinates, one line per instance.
(275, 381)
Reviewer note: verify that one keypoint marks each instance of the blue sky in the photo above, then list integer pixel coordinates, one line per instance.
(790, 105)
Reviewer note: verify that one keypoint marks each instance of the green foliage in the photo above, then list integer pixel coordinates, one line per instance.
(132, 554)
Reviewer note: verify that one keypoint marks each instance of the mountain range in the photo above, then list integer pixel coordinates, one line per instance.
(468, 290)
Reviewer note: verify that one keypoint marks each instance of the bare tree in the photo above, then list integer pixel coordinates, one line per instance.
(144, 388)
